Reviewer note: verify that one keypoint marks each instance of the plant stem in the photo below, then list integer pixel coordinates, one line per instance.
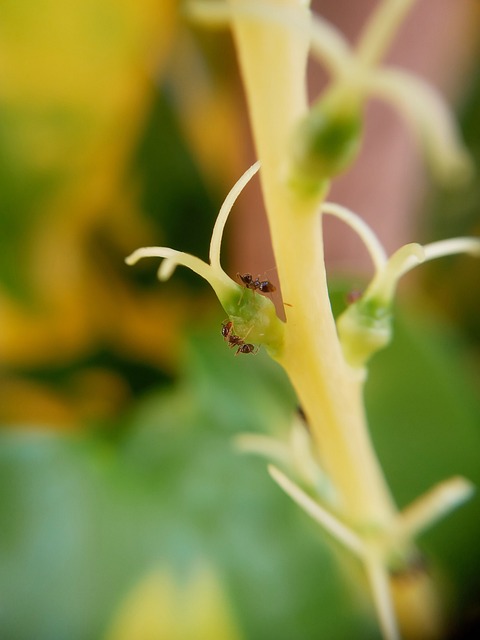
(273, 61)
(329, 390)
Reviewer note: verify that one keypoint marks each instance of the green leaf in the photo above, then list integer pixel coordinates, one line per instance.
(84, 517)
(425, 419)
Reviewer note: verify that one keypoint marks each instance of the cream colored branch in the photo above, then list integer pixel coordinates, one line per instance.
(265, 446)
(174, 258)
(331, 524)
(217, 234)
(470, 246)
(433, 506)
(380, 587)
(380, 30)
(369, 238)
(428, 116)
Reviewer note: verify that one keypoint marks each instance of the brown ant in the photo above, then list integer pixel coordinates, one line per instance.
(246, 348)
(235, 341)
(255, 284)
(226, 329)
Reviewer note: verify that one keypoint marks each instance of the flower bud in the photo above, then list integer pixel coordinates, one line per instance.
(364, 328)
(325, 142)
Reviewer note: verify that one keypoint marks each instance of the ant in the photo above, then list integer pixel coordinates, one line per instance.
(226, 329)
(236, 341)
(255, 284)
(246, 348)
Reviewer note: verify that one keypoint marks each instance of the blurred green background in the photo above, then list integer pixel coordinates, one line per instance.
(125, 511)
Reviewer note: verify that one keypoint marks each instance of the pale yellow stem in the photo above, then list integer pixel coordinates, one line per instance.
(273, 62)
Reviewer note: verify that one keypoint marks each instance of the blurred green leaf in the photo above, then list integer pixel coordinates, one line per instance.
(453, 282)
(27, 183)
(83, 518)
(425, 419)
(173, 190)
(74, 94)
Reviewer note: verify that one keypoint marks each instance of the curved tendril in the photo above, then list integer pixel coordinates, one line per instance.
(405, 259)
(452, 246)
(410, 256)
(331, 48)
(166, 269)
(173, 258)
(355, 222)
(436, 250)
(380, 29)
(429, 117)
(385, 282)
(216, 241)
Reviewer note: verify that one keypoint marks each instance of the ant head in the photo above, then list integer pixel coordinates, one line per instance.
(246, 278)
(226, 328)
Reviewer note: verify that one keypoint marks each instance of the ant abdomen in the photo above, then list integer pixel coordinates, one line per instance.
(255, 284)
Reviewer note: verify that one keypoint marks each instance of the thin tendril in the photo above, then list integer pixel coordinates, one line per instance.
(173, 256)
(334, 527)
(451, 247)
(403, 260)
(380, 29)
(331, 48)
(411, 255)
(426, 112)
(369, 238)
(379, 584)
(216, 241)
(433, 505)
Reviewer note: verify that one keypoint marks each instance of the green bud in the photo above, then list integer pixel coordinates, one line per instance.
(364, 328)
(255, 319)
(325, 142)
